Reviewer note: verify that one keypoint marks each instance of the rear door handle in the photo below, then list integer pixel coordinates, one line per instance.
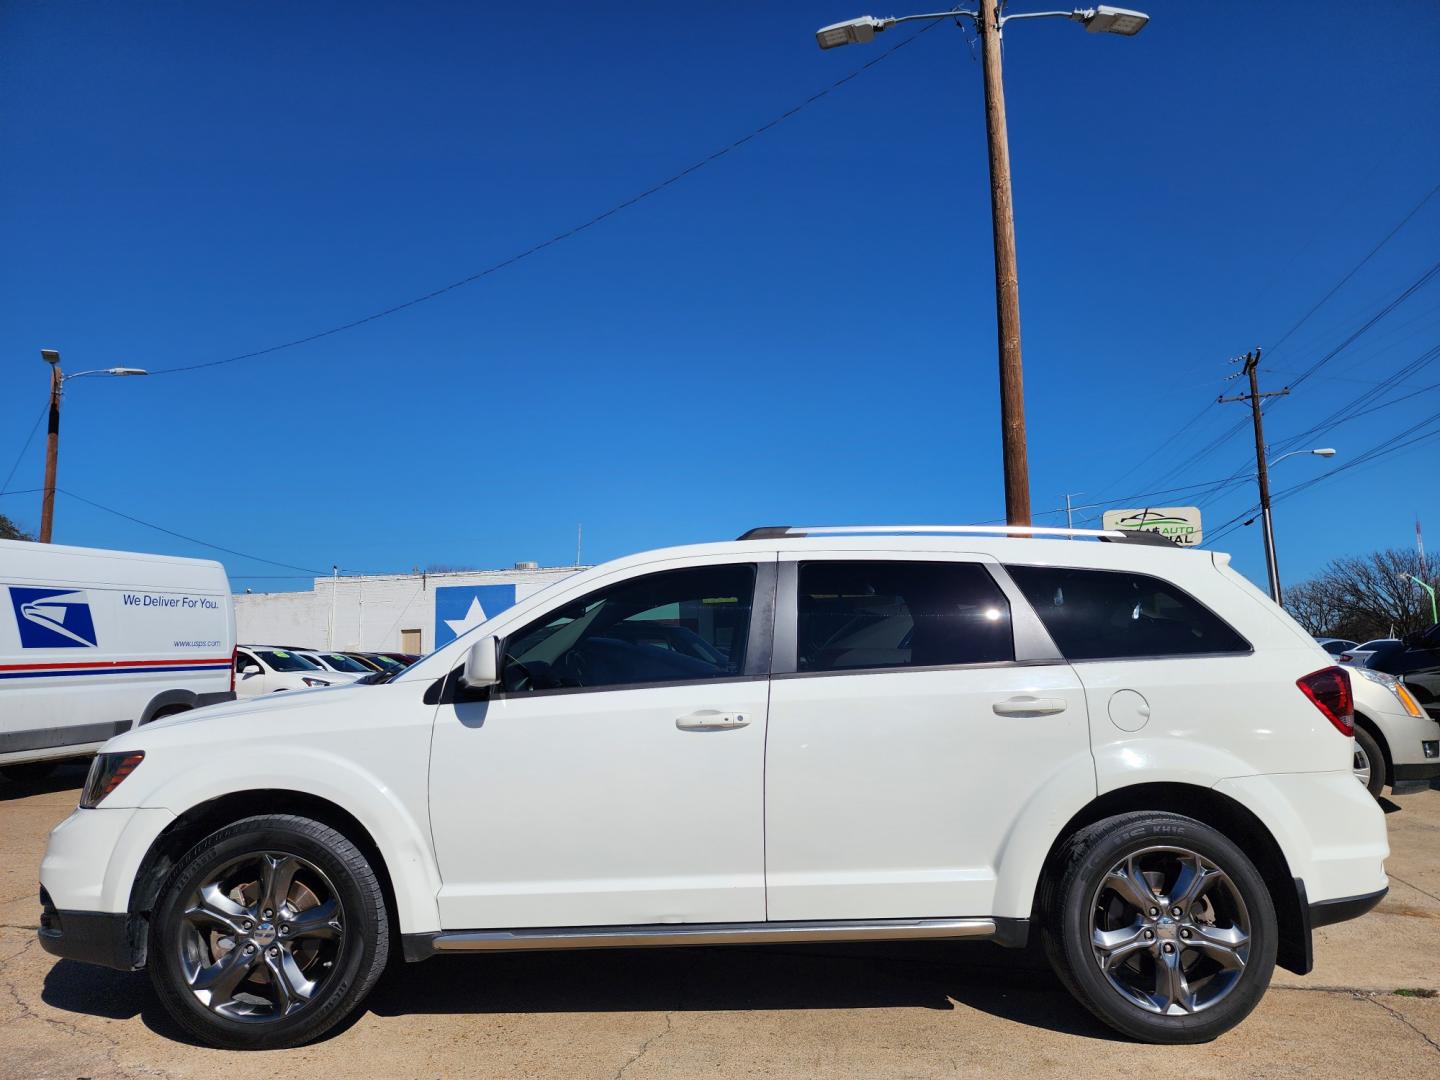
(1029, 706)
(712, 720)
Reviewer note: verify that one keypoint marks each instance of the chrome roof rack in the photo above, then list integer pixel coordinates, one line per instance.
(780, 532)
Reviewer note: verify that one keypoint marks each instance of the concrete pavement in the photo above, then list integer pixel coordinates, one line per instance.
(917, 1010)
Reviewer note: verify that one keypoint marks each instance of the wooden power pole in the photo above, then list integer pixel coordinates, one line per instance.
(1262, 469)
(52, 444)
(1007, 281)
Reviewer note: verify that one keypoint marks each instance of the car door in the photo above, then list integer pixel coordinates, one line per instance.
(608, 780)
(905, 738)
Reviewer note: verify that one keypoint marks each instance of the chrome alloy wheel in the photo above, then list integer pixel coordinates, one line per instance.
(260, 935)
(1170, 931)
(1362, 764)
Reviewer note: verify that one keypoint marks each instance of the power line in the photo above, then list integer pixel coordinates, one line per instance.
(1355, 269)
(21, 456)
(568, 233)
(190, 539)
(1382, 449)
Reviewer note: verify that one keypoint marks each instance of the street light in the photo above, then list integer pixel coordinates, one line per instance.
(1272, 566)
(52, 444)
(989, 24)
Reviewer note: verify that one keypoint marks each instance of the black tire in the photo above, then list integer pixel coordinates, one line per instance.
(1369, 746)
(1079, 895)
(349, 950)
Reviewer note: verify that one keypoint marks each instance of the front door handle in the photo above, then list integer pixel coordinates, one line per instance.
(712, 720)
(1026, 705)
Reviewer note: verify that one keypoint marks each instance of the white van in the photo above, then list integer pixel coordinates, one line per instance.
(93, 643)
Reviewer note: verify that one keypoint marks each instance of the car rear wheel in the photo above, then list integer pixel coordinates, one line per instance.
(1369, 761)
(1160, 926)
(267, 934)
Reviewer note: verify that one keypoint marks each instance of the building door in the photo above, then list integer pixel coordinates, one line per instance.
(410, 642)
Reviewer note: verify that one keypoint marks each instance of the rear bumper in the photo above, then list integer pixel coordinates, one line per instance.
(1328, 912)
(92, 937)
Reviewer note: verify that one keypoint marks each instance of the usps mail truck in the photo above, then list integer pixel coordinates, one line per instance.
(93, 643)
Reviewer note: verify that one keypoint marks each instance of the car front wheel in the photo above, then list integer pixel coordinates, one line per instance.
(1369, 761)
(268, 933)
(1161, 927)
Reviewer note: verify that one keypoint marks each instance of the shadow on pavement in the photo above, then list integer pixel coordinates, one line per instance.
(22, 781)
(1010, 985)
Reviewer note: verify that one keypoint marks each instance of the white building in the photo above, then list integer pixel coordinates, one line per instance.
(412, 613)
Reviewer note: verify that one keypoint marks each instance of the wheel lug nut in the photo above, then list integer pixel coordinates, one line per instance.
(249, 950)
(284, 929)
(268, 913)
(1175, 911)
(1154, 911)
(1185, 933)
(246, 925)
(1149, 935)
(274, 951)
(1169, 948)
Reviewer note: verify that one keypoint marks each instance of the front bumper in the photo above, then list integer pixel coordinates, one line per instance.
(92, 937)
(1408, 779)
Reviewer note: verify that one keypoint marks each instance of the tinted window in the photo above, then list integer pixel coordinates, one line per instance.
(680, 625)
(280, 660)
(875, 614)
(1104, 613)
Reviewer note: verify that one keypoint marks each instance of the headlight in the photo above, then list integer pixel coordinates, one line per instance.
(107, 772)
(1395, 686)
(313, 682)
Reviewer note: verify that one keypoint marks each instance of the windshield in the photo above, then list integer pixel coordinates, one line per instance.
(341, 662)
(286, 661)
(386, 663)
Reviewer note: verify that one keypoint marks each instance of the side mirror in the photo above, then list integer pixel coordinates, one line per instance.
(481, 668)
(250, 669)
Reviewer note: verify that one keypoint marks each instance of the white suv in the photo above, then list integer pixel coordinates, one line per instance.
(1123, 748)
(266, 669)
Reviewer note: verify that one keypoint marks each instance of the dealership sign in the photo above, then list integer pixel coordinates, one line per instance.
(1180, 524)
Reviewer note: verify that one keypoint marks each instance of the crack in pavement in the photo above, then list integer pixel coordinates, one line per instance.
(9, 985)
(1402, 1018)
(645, 1046)
(1417, 888)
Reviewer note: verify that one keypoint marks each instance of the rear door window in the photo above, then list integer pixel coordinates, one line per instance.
(880, 614)
(1108, 614)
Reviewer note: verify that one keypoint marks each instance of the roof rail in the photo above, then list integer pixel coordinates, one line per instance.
(778, 532)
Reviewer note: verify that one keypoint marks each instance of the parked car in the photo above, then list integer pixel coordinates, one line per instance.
(1122, 748)
(402, 658)
(1396, 741)
(335, 661)
(267, 669)
(1334, 645)
(1361, 653)
(93, 643)
(376, 661)
(1415, 660)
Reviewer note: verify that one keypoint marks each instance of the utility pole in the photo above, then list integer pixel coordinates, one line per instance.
(52, 444)
(1262, 471)
(1069, 518)
(1007, 275)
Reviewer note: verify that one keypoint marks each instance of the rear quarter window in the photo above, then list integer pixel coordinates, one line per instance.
(1110, 614)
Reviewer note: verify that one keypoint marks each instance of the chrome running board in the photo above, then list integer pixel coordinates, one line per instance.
(637, 937)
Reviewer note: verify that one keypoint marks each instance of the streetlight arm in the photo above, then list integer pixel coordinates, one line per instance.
(107, 371)
(1075, 14)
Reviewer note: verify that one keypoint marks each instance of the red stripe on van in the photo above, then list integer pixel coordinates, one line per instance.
(101, 665)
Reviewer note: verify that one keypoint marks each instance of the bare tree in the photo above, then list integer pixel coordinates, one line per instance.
(10, 531)
(1363, 597)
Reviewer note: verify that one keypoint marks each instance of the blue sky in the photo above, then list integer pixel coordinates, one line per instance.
(801, 331)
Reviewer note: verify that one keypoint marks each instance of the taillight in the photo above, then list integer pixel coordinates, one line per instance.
(1329, 689)
(233, 653)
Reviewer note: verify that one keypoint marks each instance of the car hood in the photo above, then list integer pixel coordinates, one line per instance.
(264, 704)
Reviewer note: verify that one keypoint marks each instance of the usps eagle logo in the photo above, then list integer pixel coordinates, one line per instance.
(53, 618)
